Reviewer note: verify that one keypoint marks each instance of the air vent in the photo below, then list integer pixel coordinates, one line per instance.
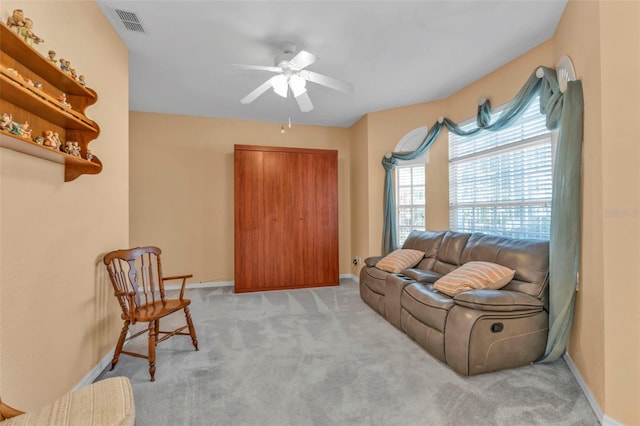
(130, 21)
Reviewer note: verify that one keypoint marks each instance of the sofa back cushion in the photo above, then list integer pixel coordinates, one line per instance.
(427, 242)
(529, 258)
(451, 248)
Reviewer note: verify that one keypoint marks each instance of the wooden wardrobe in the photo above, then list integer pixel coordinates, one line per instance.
(286, 218)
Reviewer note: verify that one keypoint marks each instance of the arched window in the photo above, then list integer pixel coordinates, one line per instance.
(410, 186)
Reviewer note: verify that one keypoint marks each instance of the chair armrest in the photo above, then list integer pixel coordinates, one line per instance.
(498, 301)
(371, 261)
(179, 277)
(7, 412)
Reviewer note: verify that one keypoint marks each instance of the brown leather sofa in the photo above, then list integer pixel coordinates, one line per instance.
(476, 331)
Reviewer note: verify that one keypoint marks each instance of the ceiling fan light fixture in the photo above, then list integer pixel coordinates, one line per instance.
(298, 85)
(279, 84)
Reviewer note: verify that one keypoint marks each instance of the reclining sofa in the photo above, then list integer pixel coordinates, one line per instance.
(474, 331)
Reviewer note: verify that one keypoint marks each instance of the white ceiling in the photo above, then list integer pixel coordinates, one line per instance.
(395, 53)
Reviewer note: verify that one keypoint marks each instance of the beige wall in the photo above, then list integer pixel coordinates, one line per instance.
(181, 190)
(603, 39)
(578, 36)
(620, 90)
(359, 193)
(57, 316)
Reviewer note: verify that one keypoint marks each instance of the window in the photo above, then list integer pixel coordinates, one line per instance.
(410, 188)
(500, 182)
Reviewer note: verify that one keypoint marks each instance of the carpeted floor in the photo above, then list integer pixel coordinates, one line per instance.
(322, 357)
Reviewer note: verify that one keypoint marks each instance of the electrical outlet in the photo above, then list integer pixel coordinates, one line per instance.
(357, 260)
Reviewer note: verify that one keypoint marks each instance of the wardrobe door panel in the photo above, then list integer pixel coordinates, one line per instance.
(326, 220)
(248, 220)
(282, 200)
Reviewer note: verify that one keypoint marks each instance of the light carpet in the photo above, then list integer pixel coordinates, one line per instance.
(321, 356)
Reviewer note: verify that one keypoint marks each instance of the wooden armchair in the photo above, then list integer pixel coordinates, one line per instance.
(136, 276)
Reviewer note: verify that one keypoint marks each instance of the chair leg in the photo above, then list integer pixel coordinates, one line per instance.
(152, 349)
(156, 324)
(192, 329)
(120, 344)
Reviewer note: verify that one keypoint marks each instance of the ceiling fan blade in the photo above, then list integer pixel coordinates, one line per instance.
(302, 60)
(258, 67)
(304, 102)
(257, 92)
(323, 80)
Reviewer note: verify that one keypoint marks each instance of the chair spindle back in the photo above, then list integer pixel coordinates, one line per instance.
(136, 272)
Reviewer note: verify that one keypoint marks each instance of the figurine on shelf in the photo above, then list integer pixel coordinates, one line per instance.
(16, 21)
(63, 100)
(63, 66)
(51, 140)
(75, 151)
(37, 85)
(73, 73)
(51, 56)
(56, 139)
(89, 155)
(15, 128)
(68, 147)
(67, 67)
(39, 140)
(28, 35)
(81, 80)
(26, 130)
(5, 121)
(15, 73)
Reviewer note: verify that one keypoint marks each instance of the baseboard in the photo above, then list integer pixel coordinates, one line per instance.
(608, 421)
(212, 284)
(350, 276)
(95, 372)
(209, 284)
(602, 418)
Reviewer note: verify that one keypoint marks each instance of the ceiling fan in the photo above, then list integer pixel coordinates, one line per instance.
(291, 74)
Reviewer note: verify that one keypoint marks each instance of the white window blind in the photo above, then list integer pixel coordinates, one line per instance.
(410, 207)
(500, 182)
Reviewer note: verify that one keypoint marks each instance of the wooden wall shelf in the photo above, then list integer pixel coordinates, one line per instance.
(41, 107)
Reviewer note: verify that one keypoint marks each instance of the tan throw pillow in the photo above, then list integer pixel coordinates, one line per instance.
(474, 276)
(399, 260)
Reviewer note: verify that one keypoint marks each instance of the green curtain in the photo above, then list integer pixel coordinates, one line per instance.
(563, 111)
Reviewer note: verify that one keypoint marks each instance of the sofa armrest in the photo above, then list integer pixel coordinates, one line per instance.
(422, 276)
(371, 261)
(498, 301)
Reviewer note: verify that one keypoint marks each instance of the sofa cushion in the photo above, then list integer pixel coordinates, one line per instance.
(529, 258)
(474, 276)
(399, 260)
(450, 251)
(426, 241)
(425, 304)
